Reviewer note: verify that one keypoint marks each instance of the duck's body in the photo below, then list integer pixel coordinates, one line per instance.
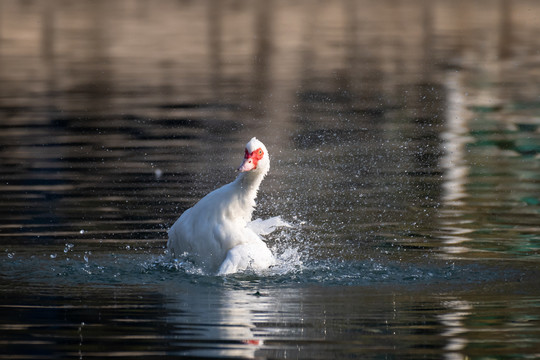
(214, 233)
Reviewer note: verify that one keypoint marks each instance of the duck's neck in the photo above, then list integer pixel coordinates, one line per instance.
(249, 183)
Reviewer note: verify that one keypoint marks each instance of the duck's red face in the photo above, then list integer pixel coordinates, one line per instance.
(251, 159)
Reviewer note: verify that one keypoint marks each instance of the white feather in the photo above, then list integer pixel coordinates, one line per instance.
(265, 227)
(217, 233)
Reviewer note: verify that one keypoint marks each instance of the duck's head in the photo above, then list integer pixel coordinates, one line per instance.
(255, 157)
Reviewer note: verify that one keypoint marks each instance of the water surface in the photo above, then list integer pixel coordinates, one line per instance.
(405, 149)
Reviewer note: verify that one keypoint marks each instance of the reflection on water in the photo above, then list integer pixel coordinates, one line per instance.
(491, 176)
(455, 137)
(453, 321)
(405, 146)
(197, 320)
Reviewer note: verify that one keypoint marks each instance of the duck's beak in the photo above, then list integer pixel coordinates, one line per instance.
(247, 165)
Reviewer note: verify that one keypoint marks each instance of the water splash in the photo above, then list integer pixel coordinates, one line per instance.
(294, 266)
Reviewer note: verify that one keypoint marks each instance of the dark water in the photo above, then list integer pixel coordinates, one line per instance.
(405, 147)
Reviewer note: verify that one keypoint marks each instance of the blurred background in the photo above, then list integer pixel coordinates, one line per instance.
(116, 116)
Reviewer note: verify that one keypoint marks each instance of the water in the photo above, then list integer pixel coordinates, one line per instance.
(405, 148)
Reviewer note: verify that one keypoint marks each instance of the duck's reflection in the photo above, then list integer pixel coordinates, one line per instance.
(222, 321)
(214, 322)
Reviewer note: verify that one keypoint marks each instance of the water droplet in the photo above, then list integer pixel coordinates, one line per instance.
(53, 256)
(81, 232)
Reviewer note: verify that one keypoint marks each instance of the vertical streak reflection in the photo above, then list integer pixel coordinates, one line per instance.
(455, 328)
(456, 169)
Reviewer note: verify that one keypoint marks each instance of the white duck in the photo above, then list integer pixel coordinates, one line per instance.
(217, 233)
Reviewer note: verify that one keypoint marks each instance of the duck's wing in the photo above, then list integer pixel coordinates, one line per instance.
(254, 255)
(265, 227)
